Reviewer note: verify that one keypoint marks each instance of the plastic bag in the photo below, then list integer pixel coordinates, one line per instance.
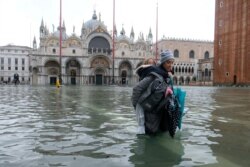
(140, 119)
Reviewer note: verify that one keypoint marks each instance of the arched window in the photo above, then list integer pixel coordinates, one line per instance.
(191, 54)
(54, 50)
(176, 69)
(176, 53)
(98, 43)
(123, 53)
(206, 72)
(206, 55)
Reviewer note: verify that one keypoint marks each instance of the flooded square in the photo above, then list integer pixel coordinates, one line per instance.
(96, 126)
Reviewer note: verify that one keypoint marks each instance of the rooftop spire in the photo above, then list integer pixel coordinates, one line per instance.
(94, 17)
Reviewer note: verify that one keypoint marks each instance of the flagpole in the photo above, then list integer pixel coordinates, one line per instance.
(113, 47)
(60, 43)
(156, 43)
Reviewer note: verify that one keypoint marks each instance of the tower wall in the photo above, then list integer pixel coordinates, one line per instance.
(232, 42)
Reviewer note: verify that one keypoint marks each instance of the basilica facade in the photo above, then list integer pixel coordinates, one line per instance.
(88, 58)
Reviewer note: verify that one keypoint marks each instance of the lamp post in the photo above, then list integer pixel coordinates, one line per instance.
(156, 43)
(60, 45)
(113, 47)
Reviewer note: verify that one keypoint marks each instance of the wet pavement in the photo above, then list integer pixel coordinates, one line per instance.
(96, 126)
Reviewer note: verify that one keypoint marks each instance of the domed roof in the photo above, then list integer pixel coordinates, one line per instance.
(57, 33)
(94, 23)
(123, 36)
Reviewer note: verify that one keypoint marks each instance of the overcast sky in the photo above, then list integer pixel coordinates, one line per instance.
(193, 19)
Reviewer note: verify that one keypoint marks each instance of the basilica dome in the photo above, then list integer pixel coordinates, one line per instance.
(57, 33)
(94, 23)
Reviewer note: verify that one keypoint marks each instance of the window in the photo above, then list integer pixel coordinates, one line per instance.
(221, 4)
(176, 53)
(220, 23)
(23, 68)
(23, 61)
(54, 50)
(16, 68)
(1, 78)
(22, 78)
(220, 42)
(206, 55)
(16, 61)
(191, 54)
(2, 60)
(73, 51)
(123, 53)
(9, 61)
(9, 68)
(2, 67)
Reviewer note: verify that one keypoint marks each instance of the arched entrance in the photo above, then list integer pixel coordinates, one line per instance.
(181, 80)
(73, 72)
(73, 76)
(100, 71)
(175, 80)
(124, 76)
(34, 76)
(125, 72)
(187, 81)
(52, 70)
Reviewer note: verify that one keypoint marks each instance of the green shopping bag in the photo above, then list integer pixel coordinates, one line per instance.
(180, 95)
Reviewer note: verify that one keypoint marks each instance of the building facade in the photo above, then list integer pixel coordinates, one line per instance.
(232, 42)
(14, 60)
(88, 59)
(193, 60)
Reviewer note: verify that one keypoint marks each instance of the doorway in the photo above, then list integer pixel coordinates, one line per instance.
(73, 77)
(52, 80)
(124, 77)
(98, 79)
(235, 79)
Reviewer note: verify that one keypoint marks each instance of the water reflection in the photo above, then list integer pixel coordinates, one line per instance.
(92, 126)
(197, 127)
(156, 151)
(232, 117)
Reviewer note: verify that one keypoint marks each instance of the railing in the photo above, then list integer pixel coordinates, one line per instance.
(99, 51)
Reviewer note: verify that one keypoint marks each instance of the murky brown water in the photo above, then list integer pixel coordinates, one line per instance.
(96, 126)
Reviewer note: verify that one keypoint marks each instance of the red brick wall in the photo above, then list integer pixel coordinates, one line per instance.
(232, 42)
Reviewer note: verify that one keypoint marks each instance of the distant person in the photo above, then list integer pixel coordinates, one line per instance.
(144, 69)
(156, 84)
(149, 61)
(16, 79)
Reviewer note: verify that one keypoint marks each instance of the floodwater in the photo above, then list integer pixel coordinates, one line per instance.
(96, 126)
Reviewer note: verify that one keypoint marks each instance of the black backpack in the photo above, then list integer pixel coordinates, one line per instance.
(157, 88)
